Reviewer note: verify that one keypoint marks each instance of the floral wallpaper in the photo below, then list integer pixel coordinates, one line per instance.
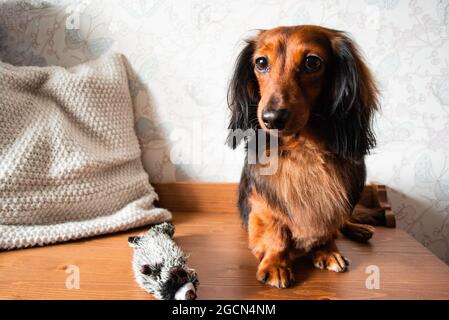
(181, 55)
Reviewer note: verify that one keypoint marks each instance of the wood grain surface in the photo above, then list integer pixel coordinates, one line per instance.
(222, 197)
(218, 250)
(197, 196)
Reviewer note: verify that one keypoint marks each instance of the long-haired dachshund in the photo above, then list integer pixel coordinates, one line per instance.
(312, 85)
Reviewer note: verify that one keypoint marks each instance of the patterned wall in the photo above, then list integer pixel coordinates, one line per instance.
(182, 54)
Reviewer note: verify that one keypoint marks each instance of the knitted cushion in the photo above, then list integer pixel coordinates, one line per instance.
(70, 163)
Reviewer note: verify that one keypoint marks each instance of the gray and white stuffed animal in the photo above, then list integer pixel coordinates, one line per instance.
(160, 266)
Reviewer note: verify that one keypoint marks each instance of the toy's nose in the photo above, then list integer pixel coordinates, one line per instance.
(190, 295)
(186, 292)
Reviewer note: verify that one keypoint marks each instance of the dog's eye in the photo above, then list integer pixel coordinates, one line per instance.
(312, 64)
(262, 64)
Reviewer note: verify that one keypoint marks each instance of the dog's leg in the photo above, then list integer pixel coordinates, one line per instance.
(269, 241)
(357, 231)
(256, 233)
(328, 257)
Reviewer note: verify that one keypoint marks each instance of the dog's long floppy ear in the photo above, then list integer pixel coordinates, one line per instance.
(354, 98)
(243, 97)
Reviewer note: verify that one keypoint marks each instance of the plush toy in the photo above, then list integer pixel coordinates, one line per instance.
(160, 265)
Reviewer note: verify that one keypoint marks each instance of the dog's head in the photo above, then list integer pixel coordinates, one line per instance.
(305, 80)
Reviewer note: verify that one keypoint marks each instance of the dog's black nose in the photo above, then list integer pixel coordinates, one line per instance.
(275, 119)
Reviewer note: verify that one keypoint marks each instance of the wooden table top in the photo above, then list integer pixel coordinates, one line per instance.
(218, 251)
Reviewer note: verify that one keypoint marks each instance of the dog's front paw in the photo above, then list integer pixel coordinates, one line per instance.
(276, 273)
(330, 260)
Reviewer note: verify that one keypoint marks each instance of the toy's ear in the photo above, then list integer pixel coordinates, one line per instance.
(133, 242)
(193, 277)
(151, 270)
(166, 227)
(179, 273)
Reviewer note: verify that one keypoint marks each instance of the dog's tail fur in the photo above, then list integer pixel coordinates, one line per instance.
(359, 226)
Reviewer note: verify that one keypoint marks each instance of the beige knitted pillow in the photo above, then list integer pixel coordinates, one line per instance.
(70, 163)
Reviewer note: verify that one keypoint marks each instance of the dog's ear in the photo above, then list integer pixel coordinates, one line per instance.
(354, 98)
(243, 97)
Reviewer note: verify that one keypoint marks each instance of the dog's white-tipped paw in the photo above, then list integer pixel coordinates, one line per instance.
(332, 261)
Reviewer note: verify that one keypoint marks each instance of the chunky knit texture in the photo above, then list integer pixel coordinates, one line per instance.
(70, 163)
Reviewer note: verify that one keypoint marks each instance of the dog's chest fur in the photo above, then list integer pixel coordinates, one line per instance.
(306, 194)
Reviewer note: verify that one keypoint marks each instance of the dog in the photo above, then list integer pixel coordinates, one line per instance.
(312, 86)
